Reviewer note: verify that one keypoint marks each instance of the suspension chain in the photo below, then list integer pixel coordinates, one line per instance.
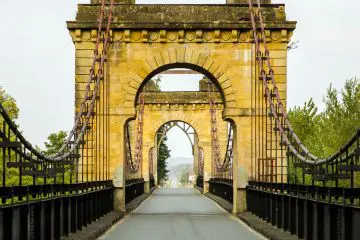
(86, 112)
(135, 165)
(304, 155)
(213, 121)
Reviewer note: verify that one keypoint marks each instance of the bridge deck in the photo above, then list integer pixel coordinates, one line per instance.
(180, 214)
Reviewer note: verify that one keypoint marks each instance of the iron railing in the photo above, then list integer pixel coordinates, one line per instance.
(200, 182)
(48, 197)
(222, 187)
(310, 212)
(294, 190)
(134, 188)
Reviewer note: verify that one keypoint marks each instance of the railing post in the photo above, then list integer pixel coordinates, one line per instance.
(74, 214)
(330, 230)
(15, 223)
(49, 220)
(67, 220)
(40, 221)
(284, 219)
(2, 224)
(59, 218)
(299, 217)
(308, 220)
(25, 222)
(292, 214)
(80, 207)
(318, 220)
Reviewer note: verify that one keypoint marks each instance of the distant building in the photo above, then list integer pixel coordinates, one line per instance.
(192, 177)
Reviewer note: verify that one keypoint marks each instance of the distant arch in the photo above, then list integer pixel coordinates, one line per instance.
(183, 126)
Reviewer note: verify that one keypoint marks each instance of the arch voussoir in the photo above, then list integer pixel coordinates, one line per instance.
(159, 60)
(167, 59)
(172, 55)
(188, 55)
(195, 57)
(152, 64)
(203, 57)
(180, 54)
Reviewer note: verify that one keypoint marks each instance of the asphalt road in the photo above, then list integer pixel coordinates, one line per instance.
(180, 214)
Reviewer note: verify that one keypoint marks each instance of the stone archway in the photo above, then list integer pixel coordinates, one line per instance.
(216, 41)
(186, 129)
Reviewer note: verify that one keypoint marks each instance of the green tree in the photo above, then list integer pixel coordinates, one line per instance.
(52, 146)
(324, 133)
(184, 177)
(54, 142)
(9, 104)
(153, 85)
(164, 154)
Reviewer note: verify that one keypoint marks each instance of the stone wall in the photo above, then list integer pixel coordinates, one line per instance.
(214, 40)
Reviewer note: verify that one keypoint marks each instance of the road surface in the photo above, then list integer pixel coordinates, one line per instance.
(180, 214)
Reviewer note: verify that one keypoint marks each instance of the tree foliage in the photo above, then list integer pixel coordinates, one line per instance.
(326, 132)
(184, 177)
(153, 85)
(54, 142)
(9, 104)
(52, 146)
(164, 154)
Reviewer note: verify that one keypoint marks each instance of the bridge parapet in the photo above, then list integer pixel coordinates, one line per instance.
(180, 98)
(115, 1)
(133, 1)
(182, 16)
(245, 1)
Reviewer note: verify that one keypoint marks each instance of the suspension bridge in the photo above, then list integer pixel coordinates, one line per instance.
(245, 149)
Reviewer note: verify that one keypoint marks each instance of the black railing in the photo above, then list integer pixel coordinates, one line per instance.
(134, 188)
(321, 199)
(310, 212)
(222, 188)
(200, 182)
(52, 211)
(152, 182)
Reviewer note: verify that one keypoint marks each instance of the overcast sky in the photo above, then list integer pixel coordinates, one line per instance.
(37, 58)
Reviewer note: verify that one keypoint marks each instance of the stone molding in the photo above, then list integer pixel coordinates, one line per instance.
(181, 107)
(182, 36)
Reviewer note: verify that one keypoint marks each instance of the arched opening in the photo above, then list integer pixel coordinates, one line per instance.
(169, 96)
(176, 146)
(176, 70)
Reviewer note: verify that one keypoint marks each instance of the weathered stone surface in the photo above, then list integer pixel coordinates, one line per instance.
(180, 98)
(214, 40)
(115, 1)
(181, 16)
(246, 1)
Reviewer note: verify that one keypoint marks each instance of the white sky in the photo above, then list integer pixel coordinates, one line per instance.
(37, 57)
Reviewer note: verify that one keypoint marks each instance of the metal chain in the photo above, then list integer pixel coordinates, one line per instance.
(225, 163)
(213, 121)
(135, 165)
(90, 80)
(305, 155)
(88, 103)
